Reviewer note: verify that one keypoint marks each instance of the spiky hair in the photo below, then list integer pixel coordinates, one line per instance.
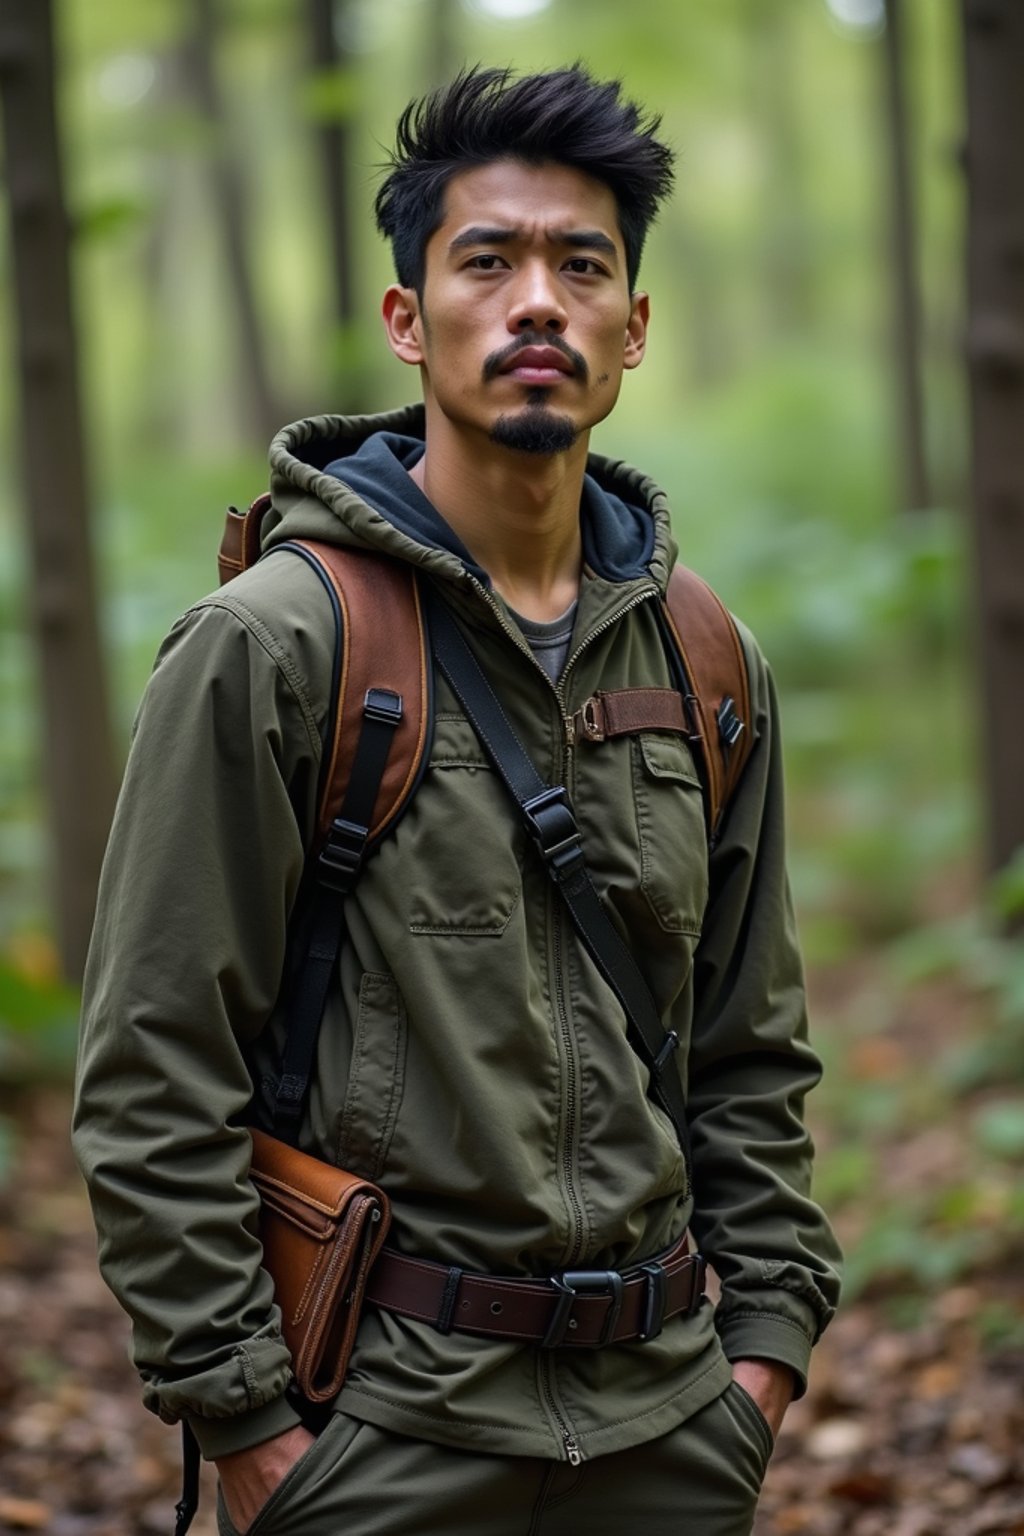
(564, 116)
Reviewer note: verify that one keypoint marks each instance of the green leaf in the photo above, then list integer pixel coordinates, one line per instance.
(999, 1128)
(108, 217)
(332, 95)
(7, 1149)
(1007, 889)
(27, 1007)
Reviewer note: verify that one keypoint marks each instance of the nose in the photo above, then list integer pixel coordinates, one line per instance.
(536, 304)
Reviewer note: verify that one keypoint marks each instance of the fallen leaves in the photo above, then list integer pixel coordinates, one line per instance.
(910, 1431)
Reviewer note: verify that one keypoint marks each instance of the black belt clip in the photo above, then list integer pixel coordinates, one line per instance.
(654, 1301)
(700, 1268)
(573, 1283)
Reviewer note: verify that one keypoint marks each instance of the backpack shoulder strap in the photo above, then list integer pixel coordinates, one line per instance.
(382, 649)
(375, 748)
(710, 653)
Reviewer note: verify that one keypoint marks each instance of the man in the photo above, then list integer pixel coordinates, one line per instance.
(471, 1058)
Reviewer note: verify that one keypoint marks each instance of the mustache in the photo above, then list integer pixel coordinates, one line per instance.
(494, 364)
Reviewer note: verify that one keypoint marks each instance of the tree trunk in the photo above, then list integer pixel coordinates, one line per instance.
(784, 224)
(443, 51)
(333, 145)
(79, 769)
(994, 50)
(906, 300)
(229, 201)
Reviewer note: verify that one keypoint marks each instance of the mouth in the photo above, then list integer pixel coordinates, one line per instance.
(538, 365)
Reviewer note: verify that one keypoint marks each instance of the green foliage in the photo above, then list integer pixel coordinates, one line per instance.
(900, 1244)
(109, 217)
(8, 1149)
(38, 1026)
(1008, 888)
(999, 1128)
(878, 1100)
(333, 95)
(1000, 1326)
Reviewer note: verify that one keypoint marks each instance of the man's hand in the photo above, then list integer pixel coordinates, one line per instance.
(771, 1386)
(249, 1477)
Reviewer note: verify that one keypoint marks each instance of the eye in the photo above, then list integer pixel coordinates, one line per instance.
(487, 261)
(584, 266)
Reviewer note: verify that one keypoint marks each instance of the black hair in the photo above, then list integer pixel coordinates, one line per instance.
(564, 116)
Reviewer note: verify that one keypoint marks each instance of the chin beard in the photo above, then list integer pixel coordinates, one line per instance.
(535, 430)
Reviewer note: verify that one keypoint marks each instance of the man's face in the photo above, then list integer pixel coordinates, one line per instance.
(526, 321)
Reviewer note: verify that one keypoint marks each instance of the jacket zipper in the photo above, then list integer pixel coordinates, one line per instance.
(568, 1042)
(570, 1444)
(573, 1454)
(599, 629)
(643, 596)
(571, 1100)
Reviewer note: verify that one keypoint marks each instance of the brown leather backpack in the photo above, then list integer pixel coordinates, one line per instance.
(385, 650)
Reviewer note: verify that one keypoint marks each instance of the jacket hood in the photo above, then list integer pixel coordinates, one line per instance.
(344, 480)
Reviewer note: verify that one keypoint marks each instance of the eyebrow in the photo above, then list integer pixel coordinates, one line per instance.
(576, 239)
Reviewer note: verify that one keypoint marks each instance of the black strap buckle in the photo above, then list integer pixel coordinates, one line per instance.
(730, 726)
(342, 855)
(583, 1282)
(553, 828)
(668, 1046)
(383, 705)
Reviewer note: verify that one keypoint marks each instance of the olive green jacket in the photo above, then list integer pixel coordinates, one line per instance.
(471, 1058)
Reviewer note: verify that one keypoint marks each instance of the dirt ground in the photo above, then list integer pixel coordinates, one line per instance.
(916, 1431)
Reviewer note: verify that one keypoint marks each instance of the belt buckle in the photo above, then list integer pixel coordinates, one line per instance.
(573, 1283)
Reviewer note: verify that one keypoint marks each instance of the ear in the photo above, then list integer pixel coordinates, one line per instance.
(403, 323)
(636, 330)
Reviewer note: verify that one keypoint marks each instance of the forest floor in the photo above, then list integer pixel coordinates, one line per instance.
(914, 1424)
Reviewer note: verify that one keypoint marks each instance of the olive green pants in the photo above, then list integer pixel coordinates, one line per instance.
(702, 1479)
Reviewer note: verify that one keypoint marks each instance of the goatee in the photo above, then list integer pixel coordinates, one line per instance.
(535, 430)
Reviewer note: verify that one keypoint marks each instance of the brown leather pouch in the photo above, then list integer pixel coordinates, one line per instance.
(321, 1228)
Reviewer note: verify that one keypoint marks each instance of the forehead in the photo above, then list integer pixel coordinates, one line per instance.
(513, 194)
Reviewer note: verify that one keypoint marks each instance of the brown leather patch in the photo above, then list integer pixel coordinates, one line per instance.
(627, 711)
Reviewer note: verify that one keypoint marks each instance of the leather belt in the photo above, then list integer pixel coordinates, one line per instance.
(582, 1307)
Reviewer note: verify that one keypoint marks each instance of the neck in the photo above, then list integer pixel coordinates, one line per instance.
(518, 514)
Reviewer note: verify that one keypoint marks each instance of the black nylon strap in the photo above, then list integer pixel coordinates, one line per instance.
(336, 871)
(549, 818)
(185, 1509)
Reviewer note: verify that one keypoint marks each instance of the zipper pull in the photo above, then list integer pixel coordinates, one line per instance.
(573, 1454)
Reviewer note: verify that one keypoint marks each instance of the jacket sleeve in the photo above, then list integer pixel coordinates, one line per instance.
(750, 1066)
(202, 868)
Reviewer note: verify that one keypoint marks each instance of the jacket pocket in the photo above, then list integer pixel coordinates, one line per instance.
(469, 848)
(673, 839)
(376, 1077)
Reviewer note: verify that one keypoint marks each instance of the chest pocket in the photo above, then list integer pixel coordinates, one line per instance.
(469, 847)
(670, 823)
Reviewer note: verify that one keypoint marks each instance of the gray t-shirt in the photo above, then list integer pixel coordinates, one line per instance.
(549, 641)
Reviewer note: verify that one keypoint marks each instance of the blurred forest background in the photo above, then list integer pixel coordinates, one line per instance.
(837, 286)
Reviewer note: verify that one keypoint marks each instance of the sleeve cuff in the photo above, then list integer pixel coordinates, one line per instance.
(219, 1437)
(765, 1336)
